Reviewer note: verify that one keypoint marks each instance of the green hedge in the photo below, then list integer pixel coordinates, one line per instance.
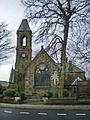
(9, 93)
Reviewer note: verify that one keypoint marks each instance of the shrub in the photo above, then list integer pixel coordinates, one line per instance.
(13, 86)
(23, 96)
(49, 94)
(39, 93)
(65, 93)
(1, 89)
(9, 93)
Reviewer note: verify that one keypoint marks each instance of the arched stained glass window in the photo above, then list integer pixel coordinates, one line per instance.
(42, 75)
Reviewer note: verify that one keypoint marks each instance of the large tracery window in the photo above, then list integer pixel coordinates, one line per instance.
(42, 75)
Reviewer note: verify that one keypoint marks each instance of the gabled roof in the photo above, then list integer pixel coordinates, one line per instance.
(73, 80)
(76, 80)
(77, 69)
(24, 26)
(42, 51)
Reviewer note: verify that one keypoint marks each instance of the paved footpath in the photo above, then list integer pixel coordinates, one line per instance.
(70, 107)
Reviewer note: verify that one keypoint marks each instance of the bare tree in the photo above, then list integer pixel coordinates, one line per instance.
(60, 21)
(81, 46)
(6, 46)
(80, 49)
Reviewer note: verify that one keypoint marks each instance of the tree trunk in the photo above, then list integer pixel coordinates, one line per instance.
(63, 58)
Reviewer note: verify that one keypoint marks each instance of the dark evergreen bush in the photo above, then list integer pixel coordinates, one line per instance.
(9, 93)
(65, 93)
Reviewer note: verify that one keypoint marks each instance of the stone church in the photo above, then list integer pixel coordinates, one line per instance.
(41, 72)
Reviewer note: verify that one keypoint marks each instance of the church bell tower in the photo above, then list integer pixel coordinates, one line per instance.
(23, 52)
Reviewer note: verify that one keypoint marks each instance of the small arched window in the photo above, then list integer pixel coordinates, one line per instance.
(24, 41)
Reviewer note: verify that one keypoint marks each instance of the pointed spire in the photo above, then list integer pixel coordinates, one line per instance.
(12, 67)
(42, 47)
(24, 26)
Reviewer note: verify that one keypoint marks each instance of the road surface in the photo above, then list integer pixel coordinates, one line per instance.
(43, 114)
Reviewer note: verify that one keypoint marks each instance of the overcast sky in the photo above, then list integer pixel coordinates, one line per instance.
(12, 12)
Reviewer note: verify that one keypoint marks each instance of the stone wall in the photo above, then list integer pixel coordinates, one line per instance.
(42, 57)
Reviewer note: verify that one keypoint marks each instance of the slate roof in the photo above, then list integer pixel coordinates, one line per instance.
(77, 69)
(4, 83)
(24, 26)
